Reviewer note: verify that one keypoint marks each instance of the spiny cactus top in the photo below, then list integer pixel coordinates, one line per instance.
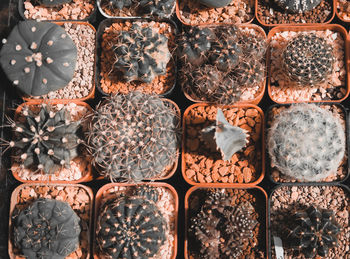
(298, 6)
(141, 53)
(315, 232)
(130, 228)
(306, 142)
(308, 59)
(215, 3)
(54, 2)
(225, 137)
(46, 140)
(160, 8)
(134, 137)
(148, 192)
(221, 228)
(47, 229)
(38, 57)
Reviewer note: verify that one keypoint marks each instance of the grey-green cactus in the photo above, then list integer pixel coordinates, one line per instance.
(215, 3)
(148, 192)
(38, 57)
(54, 2)
(118, 4)
(160, 8)
(306, 142)
(46, 229)
(297, 6)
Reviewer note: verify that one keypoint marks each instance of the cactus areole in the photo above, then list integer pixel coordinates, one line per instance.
(54, 2)
(38, 57)
(215, 3)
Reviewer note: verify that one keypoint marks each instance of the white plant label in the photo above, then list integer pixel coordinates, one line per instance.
(278, 247)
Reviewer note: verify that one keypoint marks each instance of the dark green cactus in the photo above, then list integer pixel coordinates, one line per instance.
(133, 137)
(160, 8)
(141, 53)
(46, 229)
(297, 6)
(249, 72)
(215, 3)
(46, 140)
(54, 2)
(38, 57)
(130, 227)
(118, 4)
(148, 192)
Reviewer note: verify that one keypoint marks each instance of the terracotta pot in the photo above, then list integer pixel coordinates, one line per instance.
(86, 216)
(101, 194)
(337, 12)
(88, 176)
(293, 24)
(260, 205)
(323, 27)
(91, 94)
(242, 164)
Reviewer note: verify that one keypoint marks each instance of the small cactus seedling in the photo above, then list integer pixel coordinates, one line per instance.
(308, 59)
(130, 227)
(215, 3)
(53, 2)
(45, 141)
(297, 6)
(306, 142)
(224, 137)
(160, 8)
(134, 137)
(141, 53)
(315, 232)
(38, 57)
(47, 229)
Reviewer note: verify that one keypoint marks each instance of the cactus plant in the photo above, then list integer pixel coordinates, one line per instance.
(160, 8)
(215, 3)
(148, 192)
(47, 229)
(130, 227)
(249, 72)
(306, 142)
(314, 232)
(308, 59)
(46, 140)
(141, 53)
(297, 6)
(134, 137)
(38, 57)
(118, 4)
(54, 2)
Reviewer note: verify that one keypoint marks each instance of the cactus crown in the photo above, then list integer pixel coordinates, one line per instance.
(38, 57)
(314, 233)
(297, 6)
(47, 229)
(47, 140)
(141, 53)
(160, 8)
(53, 2)
(306, 142)
(134, 137)
(308, 59)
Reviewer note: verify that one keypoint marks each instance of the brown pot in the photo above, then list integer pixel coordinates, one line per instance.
(53, 191)
(255, 191)
(245, 178)
(337, 12)
(88, 175)
(101, 194)
(322, 27)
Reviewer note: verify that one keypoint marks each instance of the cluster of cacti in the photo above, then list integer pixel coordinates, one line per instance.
(38, 57)
(306, 142)
(221, 228)
(47, 229)
(215, 3)
(46, 141)
(224, 137)
(141, 53)
(297, 6)
(134, 137)
(313, 232)
(131, 226)
(308, 59)
(53, 2)
(217, 62)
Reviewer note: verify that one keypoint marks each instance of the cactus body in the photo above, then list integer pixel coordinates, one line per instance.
(160, 8)
(297, 6)
(54, 2)
(215, 3)
(119, 4)
(148, 192)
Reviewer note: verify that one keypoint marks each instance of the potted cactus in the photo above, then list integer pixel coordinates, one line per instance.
(45, 60)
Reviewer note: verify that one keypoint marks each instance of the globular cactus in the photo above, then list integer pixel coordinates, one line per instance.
(249, 72)
(47, 229)
(215, 3)
(220, 228)
(148, 192)
(297, 6)
(130, 227)
(314, 232)
(141, 53)
(252, 47)
(306, 142)
(224, 137)
(119, 4)
(308, 59)
(160, 8)
(38, 57)
(54, 2)
(47, 140)
(134, 137)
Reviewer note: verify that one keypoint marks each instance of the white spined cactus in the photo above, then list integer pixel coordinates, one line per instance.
(306, 142)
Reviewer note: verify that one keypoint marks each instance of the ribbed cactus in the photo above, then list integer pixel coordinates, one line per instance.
(160, 8)
(215, 3)
(314, 232)
(297, 6)
(53, 2)
(47, 140)
(133, 137)
(306, 142)
(47, 229)
(38, 57)
(249, 72)
(308, 59)
(141, 53)
(148, 192)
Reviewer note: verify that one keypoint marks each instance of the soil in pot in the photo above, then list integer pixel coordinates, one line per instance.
(201, 164)
(286, 200)
(343, 10)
